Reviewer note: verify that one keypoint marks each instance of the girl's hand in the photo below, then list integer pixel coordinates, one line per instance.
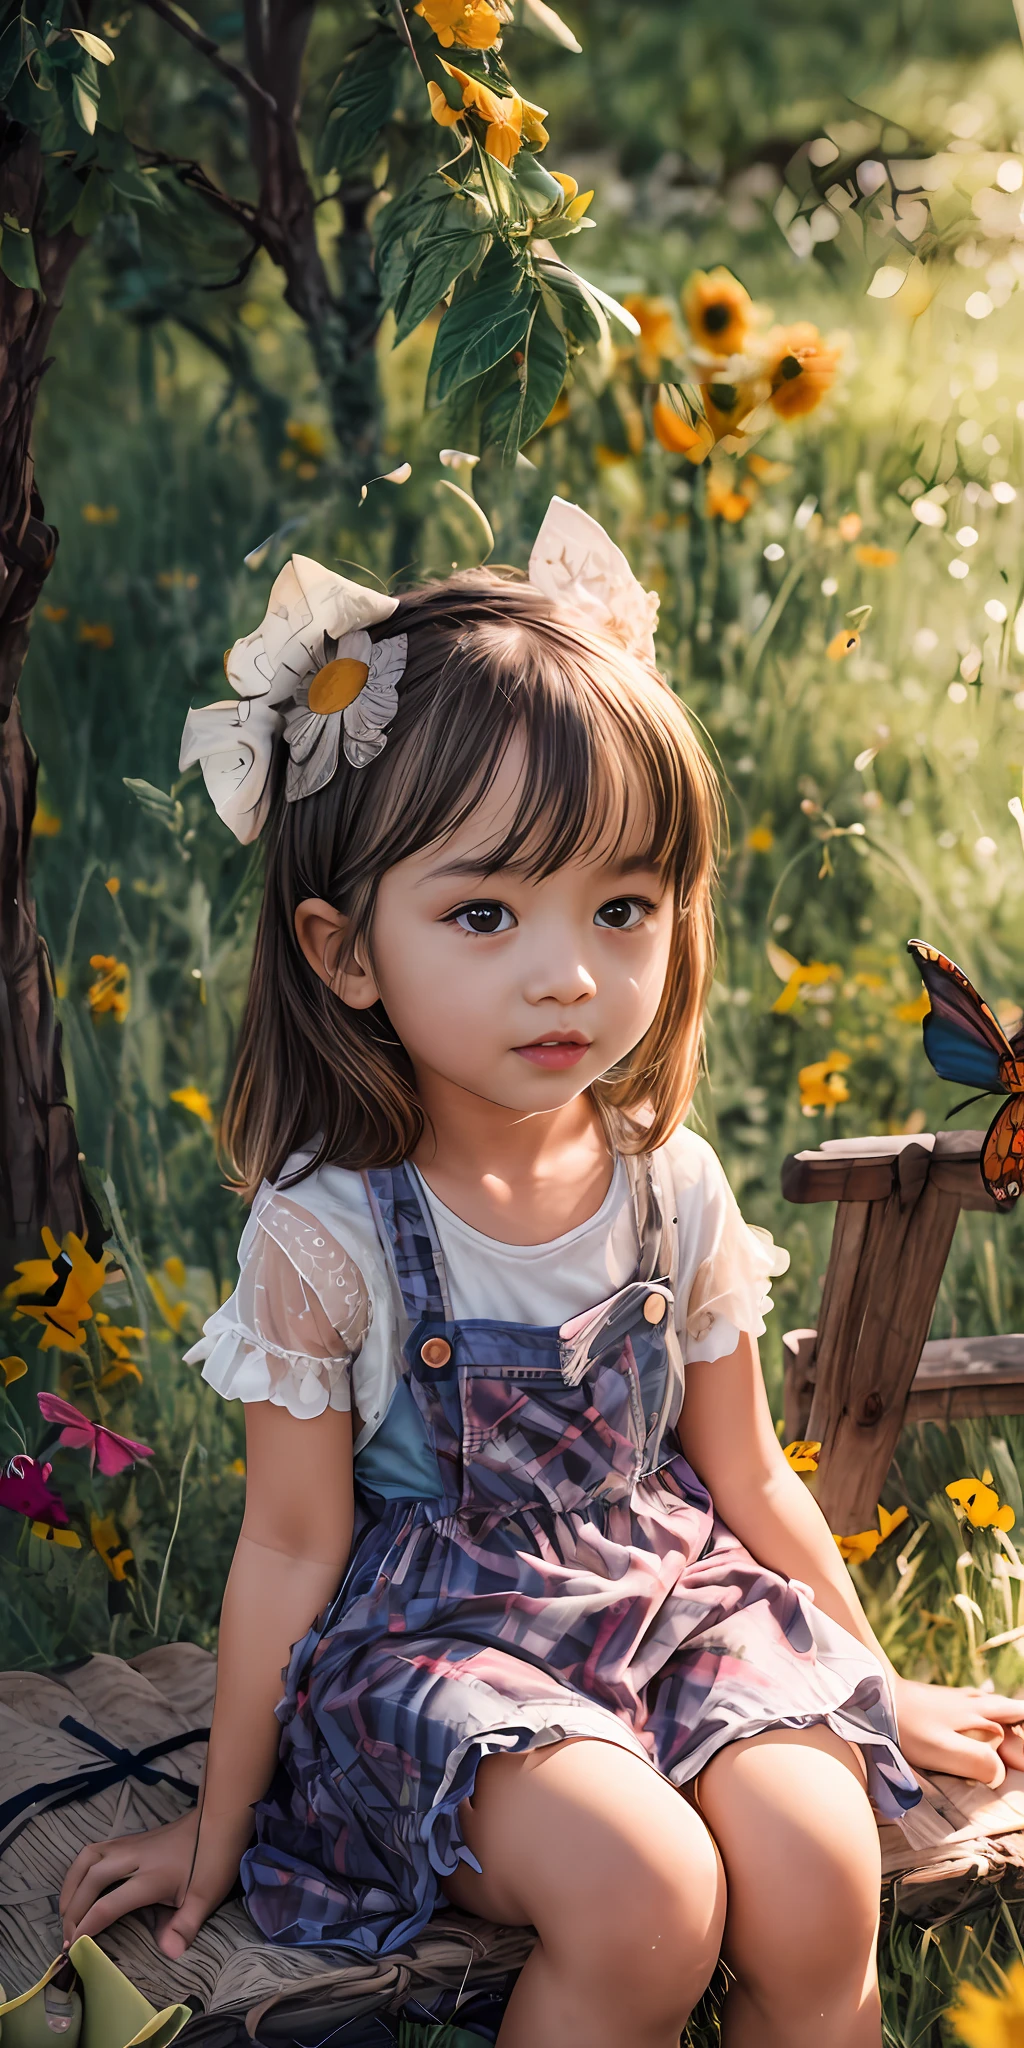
(157, 1868)
(960, 1730)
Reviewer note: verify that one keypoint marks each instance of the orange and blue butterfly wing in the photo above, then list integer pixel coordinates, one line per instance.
(963, 1039)
(1002, 1155)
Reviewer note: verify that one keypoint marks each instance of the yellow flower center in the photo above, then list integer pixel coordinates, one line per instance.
(337, 685)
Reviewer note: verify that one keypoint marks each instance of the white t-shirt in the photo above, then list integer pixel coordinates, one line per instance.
(314, 1321)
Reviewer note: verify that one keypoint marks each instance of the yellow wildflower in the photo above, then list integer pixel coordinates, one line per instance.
(173, 1312)
(576, 202)
(112, 885)
(237, 1466)
(45, 823)
(915, 1012)
(760, 839)
(116, 1337)
(470, 22)
(816, 974)
(768, 472)
(857, 1549)
(82, 1276)
(802, 1456)
(177, 579)
(723, 500)
(871, 557)
(48, 1532)
(800, 368)
(56, 613)
(986, 2019)
(476, 98)
(559, 411)
(109, 1544)
(822, 1085)
(976, 1500)
(533, 119)
(99, 515)
(850, 525)
(99, 635)
(12, 1369)
(196, 1101)
(842, 643)
(111, 990)
(717, 310)
(175, 1270)
(505, 130)
(659, 335)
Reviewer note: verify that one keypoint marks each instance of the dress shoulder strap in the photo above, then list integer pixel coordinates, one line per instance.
(654, 1209)
(406, 1231)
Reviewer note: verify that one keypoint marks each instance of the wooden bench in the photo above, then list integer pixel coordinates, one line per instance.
(868, 1366)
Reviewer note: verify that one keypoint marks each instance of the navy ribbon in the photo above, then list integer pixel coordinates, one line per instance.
(86, 1781)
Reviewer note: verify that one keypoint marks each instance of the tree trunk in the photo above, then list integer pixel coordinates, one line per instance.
(40, 1182)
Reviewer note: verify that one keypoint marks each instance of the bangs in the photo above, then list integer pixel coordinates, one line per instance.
(609, 754)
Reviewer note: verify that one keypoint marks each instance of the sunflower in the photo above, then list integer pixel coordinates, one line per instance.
(800, 368)
(717, 310)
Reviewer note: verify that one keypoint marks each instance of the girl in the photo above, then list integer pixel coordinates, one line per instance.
(540, 1580)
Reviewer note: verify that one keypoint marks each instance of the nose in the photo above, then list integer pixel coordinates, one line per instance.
(558, 973)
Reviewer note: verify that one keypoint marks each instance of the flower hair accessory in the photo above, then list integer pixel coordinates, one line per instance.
(310, 673)
(574, 560)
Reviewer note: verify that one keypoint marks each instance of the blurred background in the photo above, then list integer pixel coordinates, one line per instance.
(857, 169)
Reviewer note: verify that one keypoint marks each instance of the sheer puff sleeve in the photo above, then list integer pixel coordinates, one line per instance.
(296, 1320)
(726, 1265)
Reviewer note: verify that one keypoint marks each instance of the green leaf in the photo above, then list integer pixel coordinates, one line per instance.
(95, 201)
(486, 320)
(95, 45)
(18, 256)
(86, 104)
(362, 101)
(156, 802)
(443, 261)
(540, 379)
(582, 314)
(63, 192)
(536, 14)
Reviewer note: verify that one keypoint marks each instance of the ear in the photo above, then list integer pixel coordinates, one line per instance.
(321, 932)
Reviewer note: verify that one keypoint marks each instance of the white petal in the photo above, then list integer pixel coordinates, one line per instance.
(314, 772)
(234, 744)
(371, 712)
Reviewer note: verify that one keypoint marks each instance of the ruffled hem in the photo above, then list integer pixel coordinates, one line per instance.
(240, 1370)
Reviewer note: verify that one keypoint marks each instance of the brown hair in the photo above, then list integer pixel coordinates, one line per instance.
(489, 656)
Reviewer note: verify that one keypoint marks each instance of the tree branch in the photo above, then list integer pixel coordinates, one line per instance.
(242, 80)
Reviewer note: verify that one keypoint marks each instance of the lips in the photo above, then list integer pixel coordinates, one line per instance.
(555, 1050)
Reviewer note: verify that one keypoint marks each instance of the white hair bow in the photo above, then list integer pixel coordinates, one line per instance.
(311, 673)
(573, 559)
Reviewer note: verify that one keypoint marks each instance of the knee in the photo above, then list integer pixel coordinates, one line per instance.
(653, 1939)
(822, 1929)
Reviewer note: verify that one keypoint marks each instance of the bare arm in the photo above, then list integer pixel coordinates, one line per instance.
(289, 1559)
(727, 1435)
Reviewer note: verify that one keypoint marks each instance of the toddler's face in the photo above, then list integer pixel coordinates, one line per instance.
(521, 991)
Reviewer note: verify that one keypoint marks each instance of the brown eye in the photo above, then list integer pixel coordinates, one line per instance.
(622, 914)
(484, 919)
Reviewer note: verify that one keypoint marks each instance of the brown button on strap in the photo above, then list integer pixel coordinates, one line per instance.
(437, 1351)
(654, 1308)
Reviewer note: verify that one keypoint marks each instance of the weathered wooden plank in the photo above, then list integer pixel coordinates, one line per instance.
(870, 1170)
(884, 1272)
(956, 1378)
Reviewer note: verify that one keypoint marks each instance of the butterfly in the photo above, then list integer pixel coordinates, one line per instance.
(965, 1042)
(111, 1452)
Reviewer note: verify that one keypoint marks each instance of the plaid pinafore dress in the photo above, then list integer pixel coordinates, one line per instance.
(533, 1559)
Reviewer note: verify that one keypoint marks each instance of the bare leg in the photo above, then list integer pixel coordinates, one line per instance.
(621, 1880)
(800, 1848)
